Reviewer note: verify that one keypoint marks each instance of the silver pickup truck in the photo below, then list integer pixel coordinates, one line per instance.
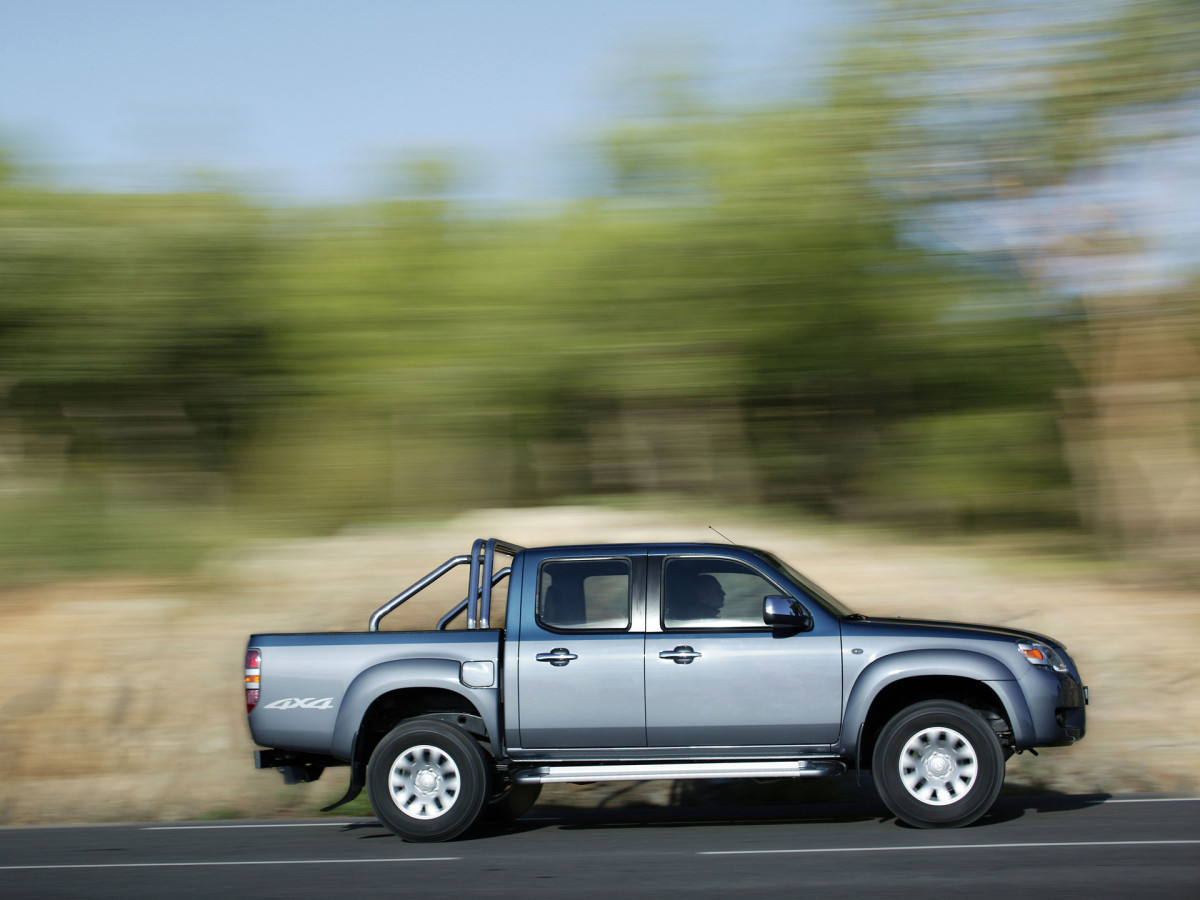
(653, 661)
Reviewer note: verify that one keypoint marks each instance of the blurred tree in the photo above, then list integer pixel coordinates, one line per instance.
(132, 361)
(127, 325)
(1038, 131)
(895, 297)
(751, 318)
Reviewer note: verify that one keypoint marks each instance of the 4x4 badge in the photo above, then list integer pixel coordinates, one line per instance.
(297, 703)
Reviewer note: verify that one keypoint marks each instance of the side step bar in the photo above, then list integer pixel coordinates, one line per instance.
(803, 768)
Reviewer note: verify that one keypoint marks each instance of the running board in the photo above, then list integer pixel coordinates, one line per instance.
(804, 768)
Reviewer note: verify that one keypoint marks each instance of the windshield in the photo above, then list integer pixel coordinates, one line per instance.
(818, 593)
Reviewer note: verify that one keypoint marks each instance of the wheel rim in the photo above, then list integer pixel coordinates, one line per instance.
(938, 766)
(424, 782)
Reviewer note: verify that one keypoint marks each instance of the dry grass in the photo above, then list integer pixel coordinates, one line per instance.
(122, 700)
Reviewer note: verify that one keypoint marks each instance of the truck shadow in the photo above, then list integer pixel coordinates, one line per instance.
(705, 804)
(1013, 806)
(698, 803)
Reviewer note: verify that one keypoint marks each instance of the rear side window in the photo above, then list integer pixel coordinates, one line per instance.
(584, 595)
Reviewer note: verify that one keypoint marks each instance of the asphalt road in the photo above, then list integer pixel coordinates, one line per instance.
(1059, 846)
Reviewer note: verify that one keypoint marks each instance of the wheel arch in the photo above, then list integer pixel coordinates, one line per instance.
(384, 695)
(893, 682)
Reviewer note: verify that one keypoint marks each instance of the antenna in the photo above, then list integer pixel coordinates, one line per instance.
(710, 528)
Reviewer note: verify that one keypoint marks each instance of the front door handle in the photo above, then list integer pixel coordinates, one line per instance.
(683, 655)
(559, 656)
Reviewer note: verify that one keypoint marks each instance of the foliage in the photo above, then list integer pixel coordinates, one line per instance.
(773, 304)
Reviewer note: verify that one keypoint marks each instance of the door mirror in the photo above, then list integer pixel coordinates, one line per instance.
(786, 612)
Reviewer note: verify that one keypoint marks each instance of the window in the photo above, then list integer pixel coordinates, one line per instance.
(713, 593)
(584, 595)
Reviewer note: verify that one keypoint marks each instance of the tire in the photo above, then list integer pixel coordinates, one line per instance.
(512, 802)
(428, 781)
(938, 764)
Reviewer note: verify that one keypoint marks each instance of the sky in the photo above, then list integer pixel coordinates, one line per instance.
(303, 101)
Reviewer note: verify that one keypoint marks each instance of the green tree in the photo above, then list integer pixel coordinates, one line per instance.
(1035, 134)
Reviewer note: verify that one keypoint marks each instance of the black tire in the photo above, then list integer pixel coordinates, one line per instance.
(428, 781)
(938, 764)
(512, 802)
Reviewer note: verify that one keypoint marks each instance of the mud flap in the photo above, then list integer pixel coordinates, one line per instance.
(358, 780)
(358, 777)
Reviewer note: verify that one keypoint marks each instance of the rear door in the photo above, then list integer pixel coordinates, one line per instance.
(580, 679)
(717, 675)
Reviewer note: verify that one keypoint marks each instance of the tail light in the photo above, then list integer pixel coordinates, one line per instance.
(253, 676)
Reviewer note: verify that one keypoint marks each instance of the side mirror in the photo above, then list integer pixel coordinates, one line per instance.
(786, 612)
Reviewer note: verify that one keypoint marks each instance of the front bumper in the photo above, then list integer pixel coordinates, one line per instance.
(1058, 707)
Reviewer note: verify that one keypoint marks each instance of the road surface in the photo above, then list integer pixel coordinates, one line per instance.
(1063, 846)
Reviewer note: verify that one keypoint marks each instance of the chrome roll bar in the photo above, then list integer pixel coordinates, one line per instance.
(457, 610)
(478, 602)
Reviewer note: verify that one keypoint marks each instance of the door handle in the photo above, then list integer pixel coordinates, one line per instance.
(683, 655)
(559, 656)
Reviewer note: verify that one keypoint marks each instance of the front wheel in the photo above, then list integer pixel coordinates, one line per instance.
(428, 781)
(938, 764)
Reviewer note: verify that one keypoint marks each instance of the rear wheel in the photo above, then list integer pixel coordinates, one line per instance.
(428, 781)
(938, 764)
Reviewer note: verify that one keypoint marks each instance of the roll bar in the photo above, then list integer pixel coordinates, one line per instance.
(478, 602)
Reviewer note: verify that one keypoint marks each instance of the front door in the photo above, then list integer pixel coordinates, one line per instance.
(717, 675)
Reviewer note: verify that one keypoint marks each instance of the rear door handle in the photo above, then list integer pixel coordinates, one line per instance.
(683, 655)
(559, 656)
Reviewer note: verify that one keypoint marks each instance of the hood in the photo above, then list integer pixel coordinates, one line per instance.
(874, 624)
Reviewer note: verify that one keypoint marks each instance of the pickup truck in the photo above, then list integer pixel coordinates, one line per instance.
(652, 661)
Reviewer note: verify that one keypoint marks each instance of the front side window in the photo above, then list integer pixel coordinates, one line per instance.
(713, 593)
(584, 595)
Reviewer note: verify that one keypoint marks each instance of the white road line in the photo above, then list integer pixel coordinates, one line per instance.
(250, 862)
(1150, 800)
(270, 825)
(1037, 844)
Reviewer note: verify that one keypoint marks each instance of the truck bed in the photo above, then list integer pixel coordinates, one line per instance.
(308, 680)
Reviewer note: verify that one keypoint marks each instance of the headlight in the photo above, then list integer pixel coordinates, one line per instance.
(1040, 654)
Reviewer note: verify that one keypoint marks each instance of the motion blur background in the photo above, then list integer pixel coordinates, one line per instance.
(943, 273)
(925, 264)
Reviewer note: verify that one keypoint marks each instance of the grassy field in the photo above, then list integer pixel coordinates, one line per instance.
(122, 699)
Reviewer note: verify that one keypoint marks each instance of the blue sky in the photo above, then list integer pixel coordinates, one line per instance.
(301, 100)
